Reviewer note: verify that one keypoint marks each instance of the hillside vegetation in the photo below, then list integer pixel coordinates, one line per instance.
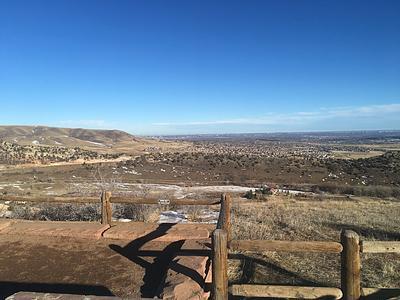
(242, 168)
(12, 154)
(103, 141)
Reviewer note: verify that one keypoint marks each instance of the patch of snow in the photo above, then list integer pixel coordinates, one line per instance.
(171, 216)
(293, 192)
(122, 220)
(182, 192)
(208, 216)
(4, 212)
(35, 142)
(98, 144)
(219, 188)
(16, 186)
(133, 172)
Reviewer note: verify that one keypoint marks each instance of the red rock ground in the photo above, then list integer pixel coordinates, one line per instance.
(38, 257)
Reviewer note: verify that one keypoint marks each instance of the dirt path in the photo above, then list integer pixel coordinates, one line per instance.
(64, 163)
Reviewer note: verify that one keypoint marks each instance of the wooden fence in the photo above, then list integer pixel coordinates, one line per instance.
(106, 199)
(349, 248)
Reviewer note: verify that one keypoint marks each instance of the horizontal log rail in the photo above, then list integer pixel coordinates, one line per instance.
(113, 199)
(50, 199)
(286, 246)
(380, 247)
(281, 291)
(224, 218)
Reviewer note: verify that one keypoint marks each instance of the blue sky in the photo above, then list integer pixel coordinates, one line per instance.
(179, 67)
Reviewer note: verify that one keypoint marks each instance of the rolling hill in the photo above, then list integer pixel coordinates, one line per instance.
(103, 141)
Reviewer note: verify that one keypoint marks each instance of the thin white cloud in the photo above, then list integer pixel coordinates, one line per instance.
(299, 117)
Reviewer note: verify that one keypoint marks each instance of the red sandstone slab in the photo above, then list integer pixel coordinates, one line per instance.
(4, 224)
(189, 276)
(159, 232)
(52, 296)
(56, 229)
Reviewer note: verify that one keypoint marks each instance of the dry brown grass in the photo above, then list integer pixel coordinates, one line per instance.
(355, 154)
(290, 219)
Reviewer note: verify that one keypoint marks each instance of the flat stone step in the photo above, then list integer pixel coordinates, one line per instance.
(188, 278)
(159, 232)
(89, 230)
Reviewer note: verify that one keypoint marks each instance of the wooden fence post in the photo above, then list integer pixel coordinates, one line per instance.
(350, 265)
(224, 219)
(220, 265)
(106, 211)
(227, 217)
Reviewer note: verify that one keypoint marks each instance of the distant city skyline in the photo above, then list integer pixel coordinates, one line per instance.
(201, 67)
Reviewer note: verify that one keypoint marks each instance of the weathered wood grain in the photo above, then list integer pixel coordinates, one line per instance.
(220, 265)
(350, 265)
(280, 291)
(380, 247)
(286, 246)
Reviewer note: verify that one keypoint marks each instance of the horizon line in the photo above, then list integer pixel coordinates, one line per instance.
(205, 134)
